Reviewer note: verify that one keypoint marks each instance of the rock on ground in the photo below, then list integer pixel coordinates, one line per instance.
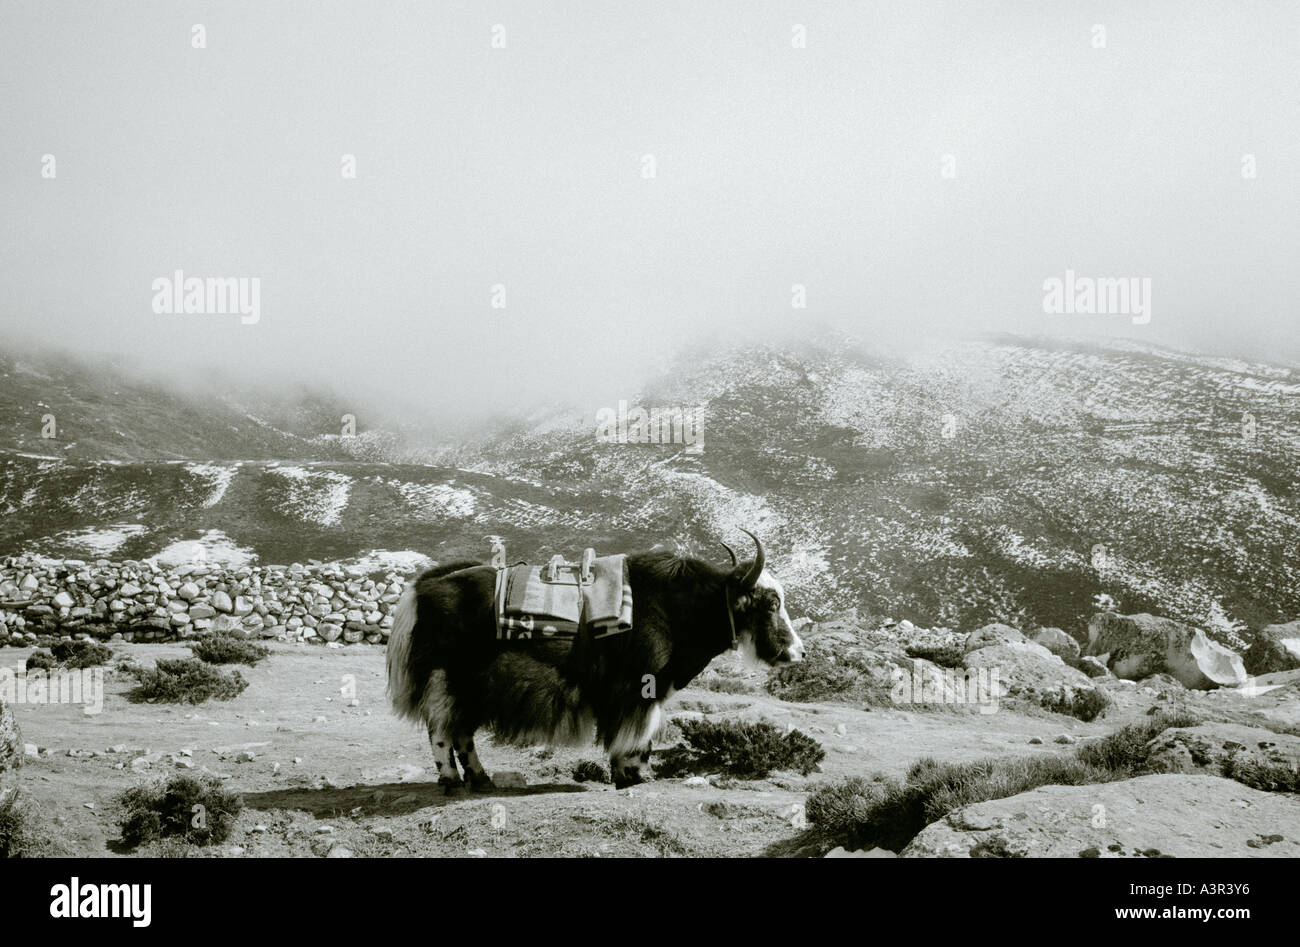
(1137, 646)
(1149, 816)
(1277, 648)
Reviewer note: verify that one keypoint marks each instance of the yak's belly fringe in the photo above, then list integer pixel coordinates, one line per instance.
(637, 730)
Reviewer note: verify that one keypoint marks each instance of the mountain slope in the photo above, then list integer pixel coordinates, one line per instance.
(991, 479)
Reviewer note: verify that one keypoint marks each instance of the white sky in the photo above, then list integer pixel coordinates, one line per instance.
(522, 166)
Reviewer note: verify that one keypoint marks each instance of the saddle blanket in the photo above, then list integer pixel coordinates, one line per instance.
(555, 602)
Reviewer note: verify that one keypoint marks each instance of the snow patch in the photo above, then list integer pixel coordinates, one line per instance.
(314, 496)
(218, 480)
(437, 500)
(101, 542)
(213, 548)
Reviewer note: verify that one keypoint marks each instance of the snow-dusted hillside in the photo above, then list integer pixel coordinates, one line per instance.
(993, 479)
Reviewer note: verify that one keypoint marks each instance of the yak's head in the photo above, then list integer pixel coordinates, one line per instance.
(757, 603)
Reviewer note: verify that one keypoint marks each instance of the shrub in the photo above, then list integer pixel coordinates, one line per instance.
(81, 654)
(42, 660)
(185, 681)
(945, 655)
(587, 771)
(193, 808)
(820, 677)
(729, 685)
(746, 750)
(224, 648)
(70, 654)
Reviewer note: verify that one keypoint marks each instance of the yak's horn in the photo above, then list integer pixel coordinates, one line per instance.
(760, 559)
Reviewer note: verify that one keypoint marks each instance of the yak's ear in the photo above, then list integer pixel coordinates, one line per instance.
(740, 601)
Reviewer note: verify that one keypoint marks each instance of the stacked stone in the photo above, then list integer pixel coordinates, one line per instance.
(142, 602)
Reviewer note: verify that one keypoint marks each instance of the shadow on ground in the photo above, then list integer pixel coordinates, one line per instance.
(388, 799)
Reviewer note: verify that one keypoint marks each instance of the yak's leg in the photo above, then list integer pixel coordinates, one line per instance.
(448, 776)
(626, 768)
(629, 752)
(475, 774)
(436, 708)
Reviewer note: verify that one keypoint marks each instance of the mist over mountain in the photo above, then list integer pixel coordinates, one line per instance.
(986, 479)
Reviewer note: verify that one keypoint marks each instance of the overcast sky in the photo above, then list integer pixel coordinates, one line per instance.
(525, 166)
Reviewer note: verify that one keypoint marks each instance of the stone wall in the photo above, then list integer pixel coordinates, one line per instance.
(143, 602)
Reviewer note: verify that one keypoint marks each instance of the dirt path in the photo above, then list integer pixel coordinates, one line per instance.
(331, 768)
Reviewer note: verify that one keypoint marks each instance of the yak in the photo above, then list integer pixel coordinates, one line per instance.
(448, 670)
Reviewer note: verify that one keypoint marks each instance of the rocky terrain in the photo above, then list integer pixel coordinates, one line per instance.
(989, 480)
(324, 769)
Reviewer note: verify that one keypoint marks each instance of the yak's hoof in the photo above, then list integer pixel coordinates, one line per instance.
(624, 782)
(481, 782)
(450, 786)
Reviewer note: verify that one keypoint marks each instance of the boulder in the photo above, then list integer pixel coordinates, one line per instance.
(1031, 672)
(1138, 646)
(221, 601)
(1276, 648)
(1151, 816)
(994, 634)
(1059, 643)
(1220, 749)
